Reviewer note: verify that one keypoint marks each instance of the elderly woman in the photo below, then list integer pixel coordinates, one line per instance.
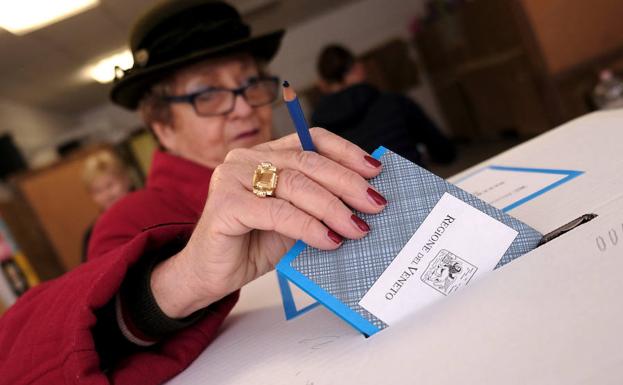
(166, 262)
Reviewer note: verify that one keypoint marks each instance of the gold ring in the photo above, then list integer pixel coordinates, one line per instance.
(265, 180)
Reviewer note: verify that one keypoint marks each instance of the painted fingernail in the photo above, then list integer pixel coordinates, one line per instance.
(372, 162)
(335, 237)
(363, 226)
(377, 198)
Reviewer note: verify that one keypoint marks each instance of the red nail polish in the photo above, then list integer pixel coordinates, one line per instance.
(373, 162)
(335, 237)
(363, 226)
(378, 198)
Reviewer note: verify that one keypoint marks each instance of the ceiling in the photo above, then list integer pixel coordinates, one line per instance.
(43, 68)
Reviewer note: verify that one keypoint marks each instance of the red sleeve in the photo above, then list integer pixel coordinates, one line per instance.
(46, 336)
(125, 219)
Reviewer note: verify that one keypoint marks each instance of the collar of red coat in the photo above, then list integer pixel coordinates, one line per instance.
(188, 178)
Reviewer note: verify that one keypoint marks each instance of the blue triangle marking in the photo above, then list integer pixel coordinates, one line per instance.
(289, 306)
(566, 176)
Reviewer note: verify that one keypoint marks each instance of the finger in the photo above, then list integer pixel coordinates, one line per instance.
(333, 147)
(313, 198)
(309, 196)
(341, 181)
(274, 214)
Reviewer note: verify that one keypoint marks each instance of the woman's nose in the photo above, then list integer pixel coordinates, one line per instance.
(241, 107)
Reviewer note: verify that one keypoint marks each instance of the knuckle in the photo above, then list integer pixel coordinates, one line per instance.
(222, 194)
(322, 134)
(334, 205)
(236, 154)
(308, 160)
(266, 146)
(281, 211)
(308, 225)
(347, 147)
(348, 180)
(296, 182)
(318, 132)
(219, 175)
(228, 199)
(347, 177)
(231, 156)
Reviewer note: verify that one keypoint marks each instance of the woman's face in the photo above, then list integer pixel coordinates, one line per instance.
(207, 139)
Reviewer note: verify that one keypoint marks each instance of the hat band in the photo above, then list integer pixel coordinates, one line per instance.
(184, 42)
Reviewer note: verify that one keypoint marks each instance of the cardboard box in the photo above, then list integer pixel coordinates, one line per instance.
(551, 317)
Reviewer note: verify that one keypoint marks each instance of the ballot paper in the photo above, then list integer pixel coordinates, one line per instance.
(431, 240)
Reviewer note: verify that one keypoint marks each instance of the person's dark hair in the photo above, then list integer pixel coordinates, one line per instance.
(334, 63)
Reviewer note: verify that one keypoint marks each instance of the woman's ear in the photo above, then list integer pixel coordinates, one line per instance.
(166, 135)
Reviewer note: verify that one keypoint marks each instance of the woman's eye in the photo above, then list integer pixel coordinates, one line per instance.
(252, 80)
(208, 95)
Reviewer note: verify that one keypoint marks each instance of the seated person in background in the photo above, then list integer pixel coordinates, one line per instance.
(166, 262)
(107, 179)
(359, 112)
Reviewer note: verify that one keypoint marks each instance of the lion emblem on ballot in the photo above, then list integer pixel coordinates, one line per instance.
(447, 272)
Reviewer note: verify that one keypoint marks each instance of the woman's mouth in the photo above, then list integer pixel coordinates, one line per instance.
(247, 134)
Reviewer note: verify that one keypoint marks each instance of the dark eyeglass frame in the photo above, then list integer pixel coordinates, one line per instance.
(192, 97)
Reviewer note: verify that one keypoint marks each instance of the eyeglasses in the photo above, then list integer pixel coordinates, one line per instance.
(213, 101)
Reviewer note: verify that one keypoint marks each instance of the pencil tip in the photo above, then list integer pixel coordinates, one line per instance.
(286, 84)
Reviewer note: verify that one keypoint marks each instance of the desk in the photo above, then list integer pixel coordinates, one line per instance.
(553, 316)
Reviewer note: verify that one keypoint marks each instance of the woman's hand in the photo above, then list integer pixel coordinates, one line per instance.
(241, 236)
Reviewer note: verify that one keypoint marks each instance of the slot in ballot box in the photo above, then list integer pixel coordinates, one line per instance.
(552, 316)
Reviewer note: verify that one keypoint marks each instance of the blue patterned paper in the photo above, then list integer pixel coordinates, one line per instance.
(340, 278)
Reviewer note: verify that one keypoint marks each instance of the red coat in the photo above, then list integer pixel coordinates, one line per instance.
(45, 337)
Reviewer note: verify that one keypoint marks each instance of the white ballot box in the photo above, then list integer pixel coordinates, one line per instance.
(553, 316)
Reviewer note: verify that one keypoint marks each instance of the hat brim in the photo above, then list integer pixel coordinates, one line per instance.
(128, 90)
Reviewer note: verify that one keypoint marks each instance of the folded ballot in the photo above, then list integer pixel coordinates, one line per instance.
(431, 240)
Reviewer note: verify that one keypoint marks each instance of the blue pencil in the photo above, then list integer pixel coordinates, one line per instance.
(296, 113)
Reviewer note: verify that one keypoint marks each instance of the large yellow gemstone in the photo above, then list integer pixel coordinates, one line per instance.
(265, 179)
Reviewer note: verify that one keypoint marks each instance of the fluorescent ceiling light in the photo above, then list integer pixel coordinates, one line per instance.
(23, 16)
(104, 70)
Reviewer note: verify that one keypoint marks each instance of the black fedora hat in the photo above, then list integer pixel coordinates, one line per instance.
(176, 33)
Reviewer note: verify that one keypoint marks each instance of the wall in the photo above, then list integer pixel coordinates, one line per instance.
(571, 32)
(37, 133)
(107, 123)
(33, 130)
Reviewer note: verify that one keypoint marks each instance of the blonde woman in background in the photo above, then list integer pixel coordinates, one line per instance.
(107, 179)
